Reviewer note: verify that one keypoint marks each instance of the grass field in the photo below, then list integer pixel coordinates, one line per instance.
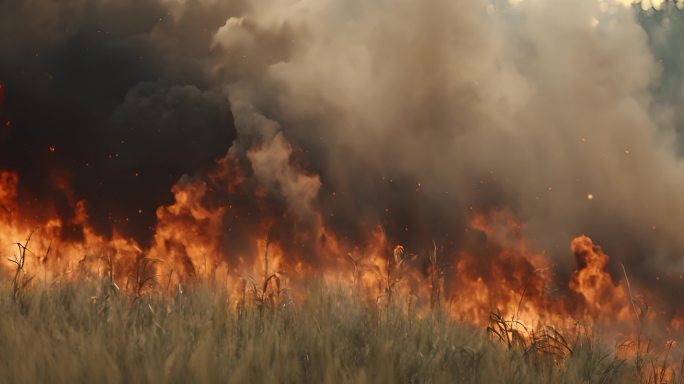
(90, 332)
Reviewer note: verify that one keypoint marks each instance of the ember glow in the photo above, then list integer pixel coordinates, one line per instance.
(473, 157)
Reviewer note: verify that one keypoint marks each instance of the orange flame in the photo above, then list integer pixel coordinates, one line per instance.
(241, 249)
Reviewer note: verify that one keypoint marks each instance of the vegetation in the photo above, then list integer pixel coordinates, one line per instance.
(88, 331)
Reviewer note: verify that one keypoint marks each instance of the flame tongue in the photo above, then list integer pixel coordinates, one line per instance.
(599, 296)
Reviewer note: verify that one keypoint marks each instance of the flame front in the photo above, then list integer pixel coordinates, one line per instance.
(198, 238)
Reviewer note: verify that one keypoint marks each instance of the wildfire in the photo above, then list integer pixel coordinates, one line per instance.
(195, 240)
(247, 243)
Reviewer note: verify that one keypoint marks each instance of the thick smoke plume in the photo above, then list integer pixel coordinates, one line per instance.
(349, 116)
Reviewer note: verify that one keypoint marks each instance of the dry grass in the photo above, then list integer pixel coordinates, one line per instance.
(91, 332)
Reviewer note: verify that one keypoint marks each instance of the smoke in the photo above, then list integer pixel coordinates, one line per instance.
(112, 97)
(408, 115)
(419, 113)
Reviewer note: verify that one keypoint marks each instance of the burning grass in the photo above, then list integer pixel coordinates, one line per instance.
(201, 306)
(89, 330)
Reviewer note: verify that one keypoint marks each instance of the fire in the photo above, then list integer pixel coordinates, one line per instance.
(520, 283)
(600, 296)
(52, 252)
(228, 242)
(224, 230)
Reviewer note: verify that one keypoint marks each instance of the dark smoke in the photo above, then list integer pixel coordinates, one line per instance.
(121, 91)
